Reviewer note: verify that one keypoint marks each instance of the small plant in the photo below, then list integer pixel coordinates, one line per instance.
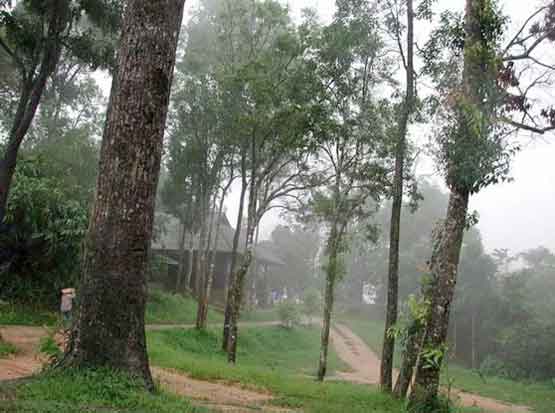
(288, 314)
(6, 349)
(49, 347)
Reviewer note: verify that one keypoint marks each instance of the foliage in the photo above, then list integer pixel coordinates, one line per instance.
(6, 349)
(28, 314)
(43, 238)
(539, 396)
(86, 390)
(289, 314)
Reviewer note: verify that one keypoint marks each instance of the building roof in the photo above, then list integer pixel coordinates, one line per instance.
(169, 232)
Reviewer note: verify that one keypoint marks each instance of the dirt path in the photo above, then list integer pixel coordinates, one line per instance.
(365, 366)
(219, 397)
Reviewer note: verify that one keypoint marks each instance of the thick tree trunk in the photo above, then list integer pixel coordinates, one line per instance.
(235, 247)
(32, 89)
(444, 271)
(110, 329)
(388, 350)
(331, 274)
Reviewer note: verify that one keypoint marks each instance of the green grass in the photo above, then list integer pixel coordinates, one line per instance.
(87, 391)
(167, 308)
(260, 349)
(6, 349)
(271, 358)
(539, 396)
(26, 315)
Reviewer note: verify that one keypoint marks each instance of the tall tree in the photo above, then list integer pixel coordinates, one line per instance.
(110, 329)
(386, 367)
(471, 104)
(353, 145)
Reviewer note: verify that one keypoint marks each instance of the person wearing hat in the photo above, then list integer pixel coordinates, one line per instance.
(66, 307)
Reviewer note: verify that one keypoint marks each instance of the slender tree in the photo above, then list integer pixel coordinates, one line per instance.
(110, 329)
(386, 367)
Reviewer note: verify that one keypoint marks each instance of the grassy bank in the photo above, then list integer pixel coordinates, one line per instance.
(539, 396)
(270, 358)
(87, 391)
(167, 308)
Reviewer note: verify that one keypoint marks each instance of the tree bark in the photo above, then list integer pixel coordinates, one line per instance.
(203, 308)
(32, 89)
(110, 328)
(410, 356)
(331, 275)
(444, 272)
(236, 237)
(444, 269)
(388, 350)
(205, 265)
(182, 255)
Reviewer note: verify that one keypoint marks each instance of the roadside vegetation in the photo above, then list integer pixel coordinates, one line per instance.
(538, 395)
(88, 391)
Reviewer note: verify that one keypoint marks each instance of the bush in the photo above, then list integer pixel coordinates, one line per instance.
(526, 353)
(289, 314)
(40, 240)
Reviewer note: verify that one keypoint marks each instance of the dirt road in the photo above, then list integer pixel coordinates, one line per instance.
(216, 396)
(363, 362)
(365, 366)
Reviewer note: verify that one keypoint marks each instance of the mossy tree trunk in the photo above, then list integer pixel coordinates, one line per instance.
(444, 272)
(110, 328)
(388, 349)
(234, 253)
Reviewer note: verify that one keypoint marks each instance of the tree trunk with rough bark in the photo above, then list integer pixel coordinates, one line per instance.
(444, 272)
(417, 328)
(110, 327)
(235, 247)
(237, 294)
(388, 349)
(32, 89)
(331, 275)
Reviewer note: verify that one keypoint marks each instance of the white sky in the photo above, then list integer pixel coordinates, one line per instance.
(515, 215)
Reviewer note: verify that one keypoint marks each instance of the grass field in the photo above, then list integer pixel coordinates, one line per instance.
(26, 315)
(539, 396)
(90, 392)
(167, 308)
(271, 358)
